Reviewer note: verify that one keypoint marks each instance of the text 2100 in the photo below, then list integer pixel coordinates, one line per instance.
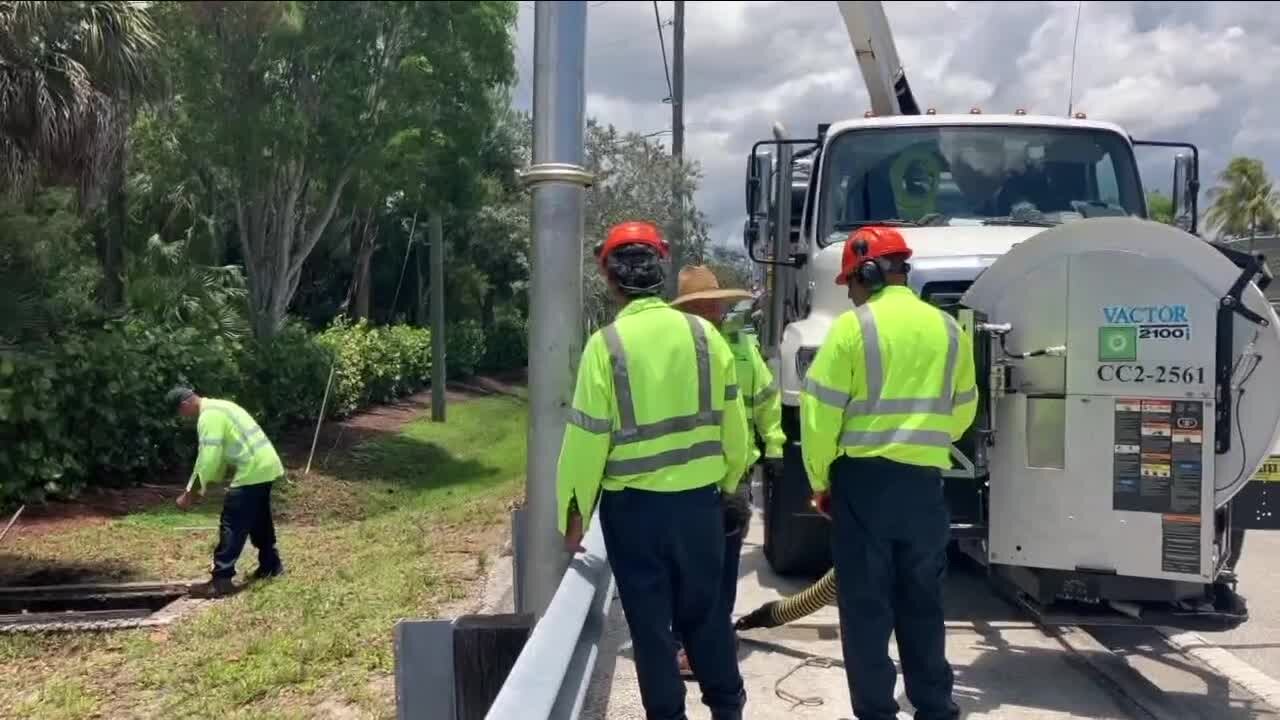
(1174, 374)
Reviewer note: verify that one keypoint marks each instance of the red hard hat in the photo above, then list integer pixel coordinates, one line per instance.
(632, 233)
(868, 243)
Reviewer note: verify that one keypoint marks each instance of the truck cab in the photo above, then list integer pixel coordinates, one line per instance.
(963, 190)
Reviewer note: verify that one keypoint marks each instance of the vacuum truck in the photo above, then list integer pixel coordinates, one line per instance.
(1128, 369)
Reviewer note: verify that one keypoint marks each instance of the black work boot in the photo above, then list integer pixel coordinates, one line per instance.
(215, 588)
(267, 573)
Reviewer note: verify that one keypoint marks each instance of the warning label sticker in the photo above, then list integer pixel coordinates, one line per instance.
(1157, 455)
(1180, 544)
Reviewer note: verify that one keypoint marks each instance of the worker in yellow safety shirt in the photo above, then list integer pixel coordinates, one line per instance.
(230, 439)
(657, 438)
(700, 294)
(891, 388)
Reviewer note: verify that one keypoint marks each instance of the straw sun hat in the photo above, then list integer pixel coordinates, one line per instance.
(697, 282)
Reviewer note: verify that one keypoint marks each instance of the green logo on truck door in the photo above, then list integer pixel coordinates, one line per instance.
(1117, 343)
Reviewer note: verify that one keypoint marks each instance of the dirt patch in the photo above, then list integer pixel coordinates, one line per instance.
(94, 506)
(99, 505)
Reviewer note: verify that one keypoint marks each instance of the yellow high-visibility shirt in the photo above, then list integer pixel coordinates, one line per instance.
(230, 436)
(656, 407)
(759, 394)
(894, 379)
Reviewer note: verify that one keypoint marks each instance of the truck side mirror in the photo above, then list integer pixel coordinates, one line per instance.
(770, 196)
(759, 167)
(1186, 188)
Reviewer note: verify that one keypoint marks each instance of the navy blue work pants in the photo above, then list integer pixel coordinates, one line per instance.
(729, 576)
(733, 540)
(666, 550)
(246, 515)
(889, 535)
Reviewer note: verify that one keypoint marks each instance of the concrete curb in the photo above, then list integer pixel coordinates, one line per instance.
(1115, 673)
(1225, 663)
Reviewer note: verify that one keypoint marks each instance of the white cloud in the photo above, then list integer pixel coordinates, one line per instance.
(1207, 73)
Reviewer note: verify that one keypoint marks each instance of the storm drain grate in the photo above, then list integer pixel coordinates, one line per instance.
(53, 608)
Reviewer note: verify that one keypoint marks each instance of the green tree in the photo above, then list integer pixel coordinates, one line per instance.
(732, 267)
(289, 101)
(47, 274)
(634, 180)
(1244, 202)
(70, 73)
(1160, 207)
(170, 286)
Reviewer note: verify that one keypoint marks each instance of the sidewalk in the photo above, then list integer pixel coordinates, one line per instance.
(1005, 666)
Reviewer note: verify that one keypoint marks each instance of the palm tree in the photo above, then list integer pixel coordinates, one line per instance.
(69, 73)
(1244, 201)
(170, 285)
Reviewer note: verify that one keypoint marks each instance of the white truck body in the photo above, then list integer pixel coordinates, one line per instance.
(955, 252)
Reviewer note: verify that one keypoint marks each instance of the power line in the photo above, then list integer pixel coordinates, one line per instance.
(662, 44)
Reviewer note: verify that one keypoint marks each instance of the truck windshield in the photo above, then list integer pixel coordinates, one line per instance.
(975, 175)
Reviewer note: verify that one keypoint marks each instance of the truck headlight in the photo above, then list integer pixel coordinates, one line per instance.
(804, 358)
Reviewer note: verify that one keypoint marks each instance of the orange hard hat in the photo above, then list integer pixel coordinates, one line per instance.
(632, 233)
(869, 243)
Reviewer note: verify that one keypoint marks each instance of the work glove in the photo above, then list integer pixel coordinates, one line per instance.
(737, 511)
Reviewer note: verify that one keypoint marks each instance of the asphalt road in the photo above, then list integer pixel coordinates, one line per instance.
(1258, 640)
(1005, 665)
(1198, 690)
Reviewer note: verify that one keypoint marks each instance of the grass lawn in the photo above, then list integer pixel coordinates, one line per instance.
(400, 526)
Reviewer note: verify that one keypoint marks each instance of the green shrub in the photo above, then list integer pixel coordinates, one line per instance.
(349, 344)
(92, 408)
(376, 364)
(464, 348)
(507, 343)
(284, 379)
(414, 348)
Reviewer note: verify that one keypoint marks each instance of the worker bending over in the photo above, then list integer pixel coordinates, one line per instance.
(657, 435)
(888, 392)
(230, 438)
(700, 294)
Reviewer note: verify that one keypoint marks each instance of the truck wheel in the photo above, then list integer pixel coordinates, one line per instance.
(796, 538)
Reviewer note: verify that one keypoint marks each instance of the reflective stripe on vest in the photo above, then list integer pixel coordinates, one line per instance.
(875, 404)
(765, 394)
(741, 344)
(630, 431)
(251, 435)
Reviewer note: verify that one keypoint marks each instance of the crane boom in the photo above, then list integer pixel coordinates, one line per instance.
(872, 40)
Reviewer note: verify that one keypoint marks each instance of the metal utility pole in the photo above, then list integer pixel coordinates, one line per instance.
(677, 83)
(438, 369)
(558, 183)
(676, 230)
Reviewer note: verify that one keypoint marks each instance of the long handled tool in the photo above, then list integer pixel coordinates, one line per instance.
(12, 520)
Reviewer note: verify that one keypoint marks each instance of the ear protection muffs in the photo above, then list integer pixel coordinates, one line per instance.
(870, 271)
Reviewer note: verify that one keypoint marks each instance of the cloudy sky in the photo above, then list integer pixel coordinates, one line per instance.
(1208, 73)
